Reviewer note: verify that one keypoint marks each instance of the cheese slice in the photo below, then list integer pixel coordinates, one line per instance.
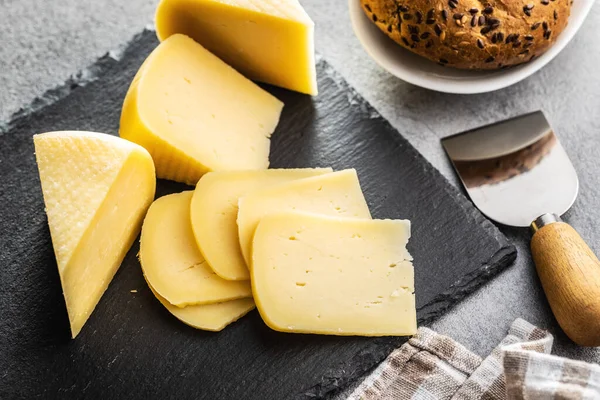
(195, 114)
(215, 208)
(171, 261)
(337, 194)
(270, 41)
(334, 276)
(96, 189)
(209, 317)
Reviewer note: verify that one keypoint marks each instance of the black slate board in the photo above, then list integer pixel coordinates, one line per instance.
(133, 348)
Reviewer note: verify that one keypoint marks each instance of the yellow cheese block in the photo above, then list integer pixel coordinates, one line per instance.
(195, 114)
(334, 276)
(270, 41)
(171, 261)
(214, 212)
(337, 194)
(96, 189)
(209, 317)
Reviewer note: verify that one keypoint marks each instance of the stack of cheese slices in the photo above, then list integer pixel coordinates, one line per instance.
(299, 244)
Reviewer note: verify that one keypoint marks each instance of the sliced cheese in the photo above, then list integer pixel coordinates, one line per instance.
(96, 189)
(335, 276)
(195, 114)
(270, 41)
(209, 317)
(171, 261)
(337, 194)
(215, 208)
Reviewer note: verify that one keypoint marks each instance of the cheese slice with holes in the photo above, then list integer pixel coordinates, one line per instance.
(270, 41)
(96, 189)
(171, 261)
(209, 317)
(334, 276)
(195, 114)
(214, 212)
(337, 194)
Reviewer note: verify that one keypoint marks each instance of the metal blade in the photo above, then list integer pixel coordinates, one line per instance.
(515, 170)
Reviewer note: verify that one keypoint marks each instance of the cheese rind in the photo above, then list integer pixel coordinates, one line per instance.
(171, 261)
(334, 276)
(214, 211)
(96, 190)
(209, 317)
(196, 114)
(270, 41)
(336, 194)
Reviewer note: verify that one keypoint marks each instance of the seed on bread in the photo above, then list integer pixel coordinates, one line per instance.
(527, 9)
(419, 17)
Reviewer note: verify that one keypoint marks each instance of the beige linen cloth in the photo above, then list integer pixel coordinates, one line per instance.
(433, 366)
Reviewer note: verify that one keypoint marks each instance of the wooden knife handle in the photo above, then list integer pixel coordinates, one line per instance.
(570, 275)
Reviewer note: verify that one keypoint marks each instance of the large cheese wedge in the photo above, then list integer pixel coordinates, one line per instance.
(334, 276)
(96, 189)
(171, 261)
(195, 114)
(337, 194)
(270, 41)
(215, 209)
(209, 317)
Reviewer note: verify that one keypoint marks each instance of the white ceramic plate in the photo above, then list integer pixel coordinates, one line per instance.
(422, 72)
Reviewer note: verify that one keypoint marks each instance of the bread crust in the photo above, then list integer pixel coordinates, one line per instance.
(472, 34)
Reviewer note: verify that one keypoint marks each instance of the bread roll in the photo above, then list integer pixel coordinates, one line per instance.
(471, 34)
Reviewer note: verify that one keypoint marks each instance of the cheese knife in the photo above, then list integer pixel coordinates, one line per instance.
(518, 174)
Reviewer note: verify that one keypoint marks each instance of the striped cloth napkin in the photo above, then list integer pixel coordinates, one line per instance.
(432, 366)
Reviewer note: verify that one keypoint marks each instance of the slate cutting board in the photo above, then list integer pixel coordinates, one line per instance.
(131, 347)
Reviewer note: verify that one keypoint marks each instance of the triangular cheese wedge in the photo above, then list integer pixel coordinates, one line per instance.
(172, 263)
(96, 189)
(196, 114)
(271, 41)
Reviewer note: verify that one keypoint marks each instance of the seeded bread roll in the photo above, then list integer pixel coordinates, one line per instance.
(472, 34)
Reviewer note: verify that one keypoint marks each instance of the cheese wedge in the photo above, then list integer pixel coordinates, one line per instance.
(215, 209)
(334, 276)
(270, 41)
(209, 317)
(337, 194)
(195, 114)
(96, 189)
(171, 261)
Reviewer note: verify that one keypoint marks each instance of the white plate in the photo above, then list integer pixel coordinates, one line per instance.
(422, 72)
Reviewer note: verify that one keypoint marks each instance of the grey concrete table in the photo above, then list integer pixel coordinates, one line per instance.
(43, 43)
